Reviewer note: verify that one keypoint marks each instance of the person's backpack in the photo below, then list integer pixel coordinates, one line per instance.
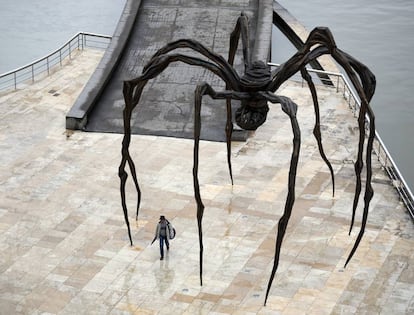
(172, 231)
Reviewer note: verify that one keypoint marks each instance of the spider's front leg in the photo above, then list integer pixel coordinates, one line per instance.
(321, 42)
(201, 90)
(317, 128)
(126, 157)
(290, 108)
(132, 93)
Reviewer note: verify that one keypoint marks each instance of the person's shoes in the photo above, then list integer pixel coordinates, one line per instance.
(168, 247)
(161, 258)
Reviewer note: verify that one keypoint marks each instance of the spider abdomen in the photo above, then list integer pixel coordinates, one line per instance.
(251, 114)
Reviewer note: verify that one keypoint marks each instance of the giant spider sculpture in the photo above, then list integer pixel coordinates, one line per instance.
(255, 88)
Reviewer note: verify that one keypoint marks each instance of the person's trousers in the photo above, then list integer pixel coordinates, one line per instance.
(162, 240)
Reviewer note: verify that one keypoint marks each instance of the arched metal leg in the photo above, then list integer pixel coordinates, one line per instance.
(200, 90)
(132, 93)
(317, 128)
(290, 109)
(204, 89)
(229, 132)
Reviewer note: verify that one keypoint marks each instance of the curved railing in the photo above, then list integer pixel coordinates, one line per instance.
(38, 69)
(342, 85)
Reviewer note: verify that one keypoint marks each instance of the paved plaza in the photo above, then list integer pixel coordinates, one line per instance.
(63, 240)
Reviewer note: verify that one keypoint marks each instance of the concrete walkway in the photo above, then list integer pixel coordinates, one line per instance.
(145, 27)
(63, 241)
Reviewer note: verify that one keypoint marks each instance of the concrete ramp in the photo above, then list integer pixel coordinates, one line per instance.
(166, 106)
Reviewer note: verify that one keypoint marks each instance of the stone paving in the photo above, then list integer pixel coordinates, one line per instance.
(64, 245)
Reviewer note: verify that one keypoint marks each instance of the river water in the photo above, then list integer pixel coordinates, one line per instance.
(377, 32)
(31, 29)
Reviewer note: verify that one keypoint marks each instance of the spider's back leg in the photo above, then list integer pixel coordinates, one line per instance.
(241, 28)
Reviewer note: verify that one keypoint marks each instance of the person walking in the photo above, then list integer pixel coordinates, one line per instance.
(163, 233)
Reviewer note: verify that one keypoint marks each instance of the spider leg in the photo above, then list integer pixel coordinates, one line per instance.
(242, 26)
(201, 90)
(123, 176)
(229, 132)
(364, 85)
(317, 127)
(290, 108)
(369, 192)
(132, 93)
(127, 91)
(365, 89)
(232, 78)
(365, 113)
(126, 157)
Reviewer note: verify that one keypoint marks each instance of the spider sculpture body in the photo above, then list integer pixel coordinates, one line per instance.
(255, 89)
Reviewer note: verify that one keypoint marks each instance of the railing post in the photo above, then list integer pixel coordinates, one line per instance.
(47, 63)
(70, 50)
(15, 81)
(32, 73)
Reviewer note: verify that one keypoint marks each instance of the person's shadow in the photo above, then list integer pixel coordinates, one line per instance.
(164, 276)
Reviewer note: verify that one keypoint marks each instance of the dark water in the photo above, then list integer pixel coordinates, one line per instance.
(380, 34)
(31, 29)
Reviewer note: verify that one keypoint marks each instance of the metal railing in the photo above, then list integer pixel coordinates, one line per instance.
(41, 67)
(342, 85)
